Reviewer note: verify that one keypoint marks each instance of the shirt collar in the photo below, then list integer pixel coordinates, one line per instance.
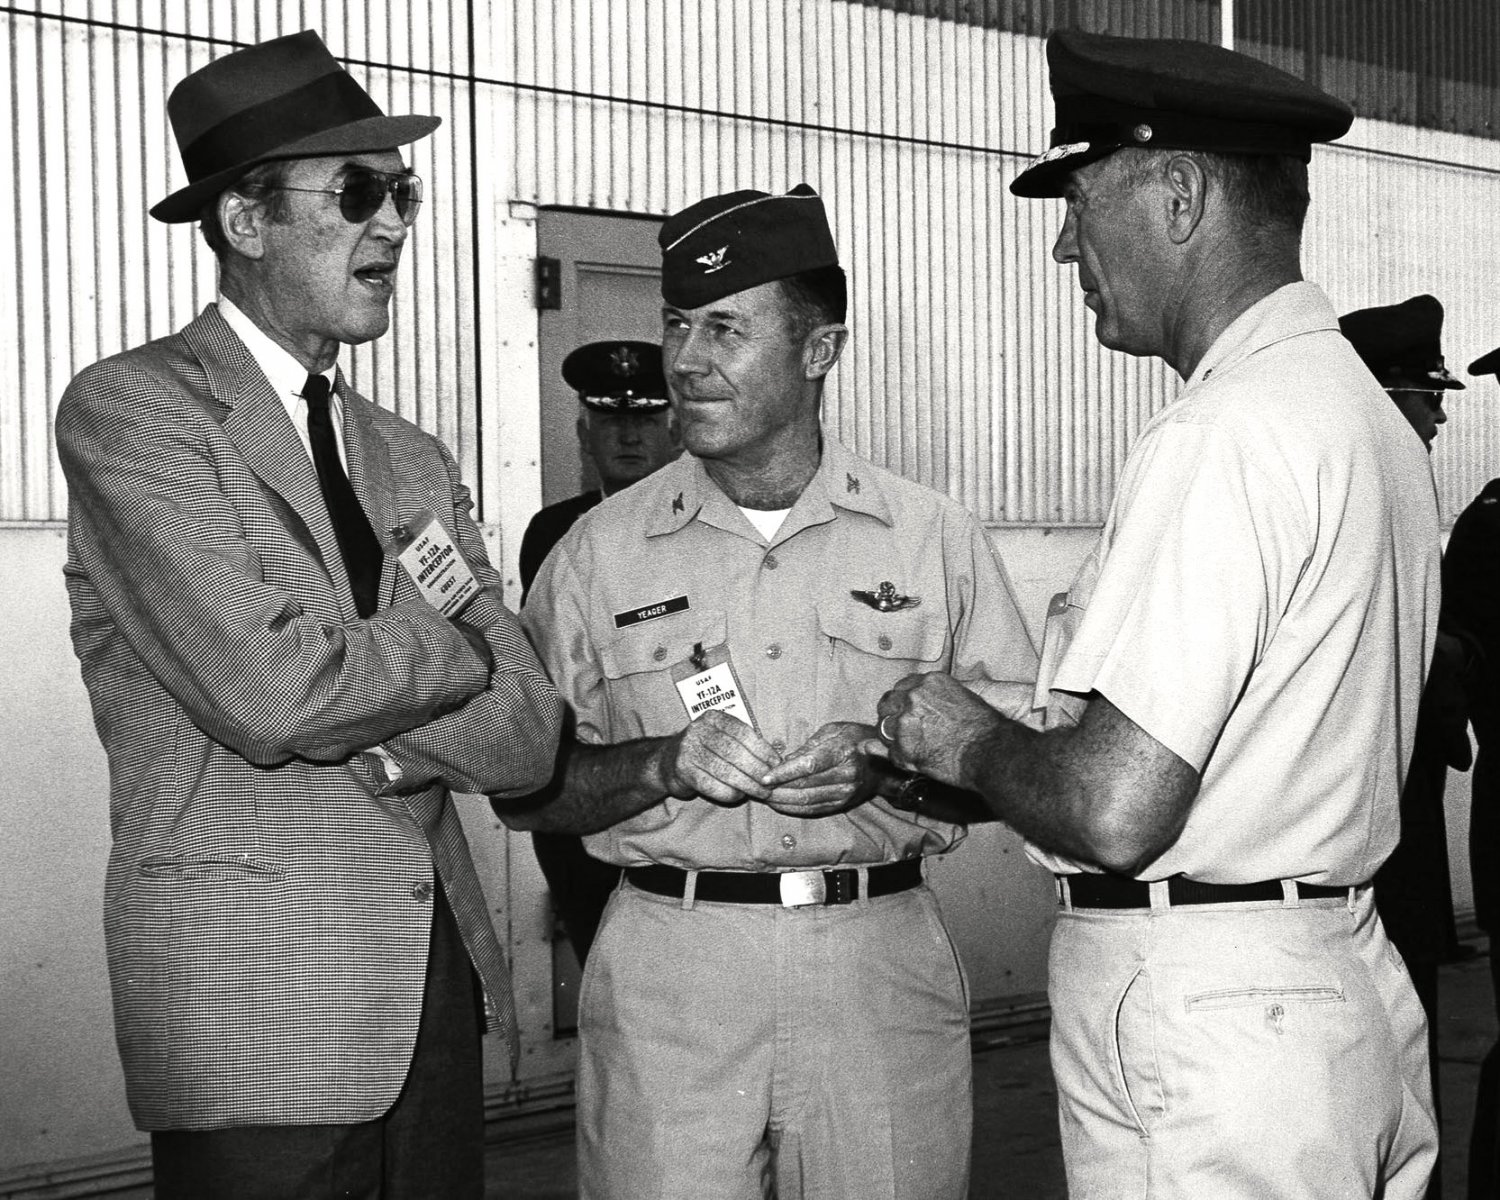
(842, 480)
(1291, 310)
(287, 376)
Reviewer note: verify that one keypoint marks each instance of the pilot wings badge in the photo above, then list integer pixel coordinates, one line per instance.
(885, 599)
(714, 260)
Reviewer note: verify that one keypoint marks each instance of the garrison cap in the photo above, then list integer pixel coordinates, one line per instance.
(729, 243)
(1486, 364)
(1113, 92)
(618, 376)
(1400, 343)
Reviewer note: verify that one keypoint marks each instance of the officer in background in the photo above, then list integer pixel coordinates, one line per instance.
(1246, 644)
(1471, 608)
(626, 430)
(773, 999)
(1401, 344)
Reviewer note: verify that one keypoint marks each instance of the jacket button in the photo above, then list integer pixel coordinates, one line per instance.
(773, 650)
(659, 653)
(421, 892)
(772, 562)
(885, 642)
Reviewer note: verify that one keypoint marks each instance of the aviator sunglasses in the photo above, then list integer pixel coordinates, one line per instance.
(365, 190)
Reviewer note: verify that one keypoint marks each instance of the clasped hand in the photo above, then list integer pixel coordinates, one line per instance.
(726, 761)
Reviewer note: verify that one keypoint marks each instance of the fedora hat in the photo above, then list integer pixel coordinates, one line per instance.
(285, 98)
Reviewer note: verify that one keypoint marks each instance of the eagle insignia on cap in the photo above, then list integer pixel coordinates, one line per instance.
(714, 261)
(624, 362)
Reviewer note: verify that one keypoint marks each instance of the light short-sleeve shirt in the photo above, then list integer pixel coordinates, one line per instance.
(671, 565)
(1263, 601)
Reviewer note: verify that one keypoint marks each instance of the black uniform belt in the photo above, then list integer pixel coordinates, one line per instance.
(754, 887)
(1120, 891)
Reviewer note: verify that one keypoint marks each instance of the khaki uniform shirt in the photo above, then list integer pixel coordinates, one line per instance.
(671, 564)
(1263, 601)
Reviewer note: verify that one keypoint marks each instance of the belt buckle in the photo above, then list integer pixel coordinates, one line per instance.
(801, 888)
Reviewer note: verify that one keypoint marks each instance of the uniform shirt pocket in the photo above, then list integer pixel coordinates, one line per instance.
(637, 664)
(865, 652)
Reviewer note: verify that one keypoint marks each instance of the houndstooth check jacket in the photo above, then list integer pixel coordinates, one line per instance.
(268, 899)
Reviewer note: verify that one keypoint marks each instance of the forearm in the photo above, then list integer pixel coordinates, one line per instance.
(593, 788)
(1082, 791)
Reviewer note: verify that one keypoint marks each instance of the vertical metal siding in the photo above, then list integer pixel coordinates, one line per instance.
(972, 366)
(86, 273)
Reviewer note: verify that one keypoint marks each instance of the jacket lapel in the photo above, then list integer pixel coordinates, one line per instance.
(255, 418)
(370, 473)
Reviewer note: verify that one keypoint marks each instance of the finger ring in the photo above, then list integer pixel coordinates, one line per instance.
(886, 735)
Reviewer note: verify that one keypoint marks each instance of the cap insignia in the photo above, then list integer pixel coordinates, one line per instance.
(1142, 132)
(714, 261)
(624, 362)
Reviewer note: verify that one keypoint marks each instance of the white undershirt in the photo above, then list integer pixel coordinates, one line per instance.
(766, 520)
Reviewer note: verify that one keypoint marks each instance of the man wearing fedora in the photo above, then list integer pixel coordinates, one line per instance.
(772, 1002)
(1245, 646)
(301, 959)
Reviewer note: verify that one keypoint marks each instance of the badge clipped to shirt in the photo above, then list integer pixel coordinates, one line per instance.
(707, 681)
(436, 565)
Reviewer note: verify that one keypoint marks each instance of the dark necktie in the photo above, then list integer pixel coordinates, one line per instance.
(361, 552)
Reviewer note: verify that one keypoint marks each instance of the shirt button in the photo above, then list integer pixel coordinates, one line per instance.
(659, 653)
(773, 650)
(421, 892)
(772, 562)
(788, 840)
(885, 642)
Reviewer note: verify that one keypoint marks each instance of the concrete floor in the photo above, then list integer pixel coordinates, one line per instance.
(1015, 1124)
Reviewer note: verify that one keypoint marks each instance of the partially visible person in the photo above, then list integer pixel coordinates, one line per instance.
(1246, 647)
(626, 430)
(1402, 346)
(1471, 608)
(301, 959)
(773, 1004)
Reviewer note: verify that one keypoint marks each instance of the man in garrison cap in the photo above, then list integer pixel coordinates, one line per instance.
(301, 958)
(772, 1000)
(1471, 610)
(625, 431)
(1245, 648)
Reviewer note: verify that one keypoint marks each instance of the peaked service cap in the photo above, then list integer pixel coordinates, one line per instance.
(1486, 364)
(618, 376)
(729, 243)
(1400, 343)
(284, 98)
(1113, 92)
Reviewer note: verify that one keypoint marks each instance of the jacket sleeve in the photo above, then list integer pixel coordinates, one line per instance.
(159, 521)
(502, 742)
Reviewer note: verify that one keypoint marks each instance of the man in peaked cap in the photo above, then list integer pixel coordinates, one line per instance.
(772, 999)
(302, 960)
(625, 431)
(1401, 344)
(1244, 647)
(1471, 610)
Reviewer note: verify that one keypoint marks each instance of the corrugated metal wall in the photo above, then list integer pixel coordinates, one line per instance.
(84, 272)
(973, 365)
